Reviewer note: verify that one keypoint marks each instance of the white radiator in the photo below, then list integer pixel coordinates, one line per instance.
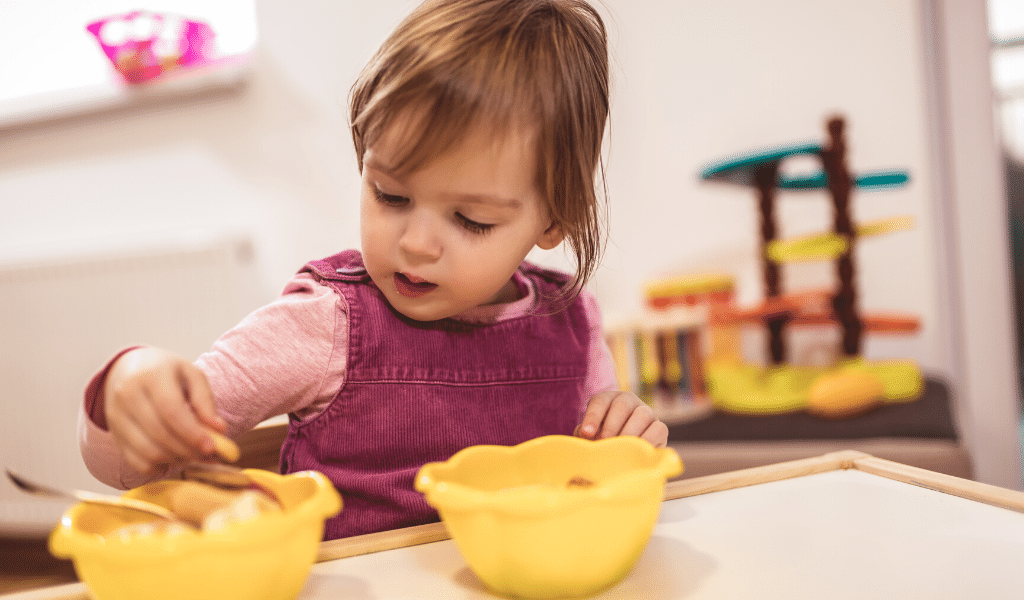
(61, 320)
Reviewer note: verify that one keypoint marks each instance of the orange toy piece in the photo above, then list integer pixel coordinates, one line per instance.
(846, 393)
(810, 308)
(689, 291)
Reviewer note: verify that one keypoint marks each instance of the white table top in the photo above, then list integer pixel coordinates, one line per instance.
(839, 534)
(841, 526)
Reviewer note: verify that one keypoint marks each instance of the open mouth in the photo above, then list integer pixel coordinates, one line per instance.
(412, 287)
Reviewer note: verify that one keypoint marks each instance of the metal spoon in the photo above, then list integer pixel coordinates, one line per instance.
(228, 477)
(218, 474)
(39, 489)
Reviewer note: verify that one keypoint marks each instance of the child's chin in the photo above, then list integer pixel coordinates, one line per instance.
(417, 310)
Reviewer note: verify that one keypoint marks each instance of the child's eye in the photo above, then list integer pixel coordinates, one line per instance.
(473, 226)
(390, 199)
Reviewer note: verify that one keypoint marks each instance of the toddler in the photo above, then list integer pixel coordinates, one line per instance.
(478, 128)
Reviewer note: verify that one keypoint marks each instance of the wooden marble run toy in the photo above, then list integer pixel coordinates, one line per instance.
(852, 384)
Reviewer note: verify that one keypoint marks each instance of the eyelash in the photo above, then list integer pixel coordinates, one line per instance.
(466, 223)
(474, 227)
(390, 199)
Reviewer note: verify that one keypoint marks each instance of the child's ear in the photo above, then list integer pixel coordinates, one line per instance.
(551, 237)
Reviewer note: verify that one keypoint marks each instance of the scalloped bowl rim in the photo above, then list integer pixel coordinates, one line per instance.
(624, 486)
(68, 541)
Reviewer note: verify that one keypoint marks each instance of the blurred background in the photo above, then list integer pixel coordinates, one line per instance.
(162, 213)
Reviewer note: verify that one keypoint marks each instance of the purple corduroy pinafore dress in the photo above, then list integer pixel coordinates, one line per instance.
(417, 392)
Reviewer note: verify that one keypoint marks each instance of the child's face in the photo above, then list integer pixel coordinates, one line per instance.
(449, 236)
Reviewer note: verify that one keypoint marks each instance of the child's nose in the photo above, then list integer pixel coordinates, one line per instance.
(420, 237)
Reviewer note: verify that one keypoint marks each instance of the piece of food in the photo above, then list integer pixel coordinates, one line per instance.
(225, 447)
(194, 501)
(151, 528)
(206, 508)
(247, 506)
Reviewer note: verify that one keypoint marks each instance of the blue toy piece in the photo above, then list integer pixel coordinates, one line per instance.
(866, 181)
(740, 170)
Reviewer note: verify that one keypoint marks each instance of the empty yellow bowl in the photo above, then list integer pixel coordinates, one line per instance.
(267, 558)
(554, 517)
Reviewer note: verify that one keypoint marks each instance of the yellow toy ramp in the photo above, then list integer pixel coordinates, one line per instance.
(835, 391)
(820, 246)
(747, 389)
(886, 225)
(827, 246)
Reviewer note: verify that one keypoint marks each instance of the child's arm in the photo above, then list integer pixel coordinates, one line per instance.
(615, 413)
(286, 357)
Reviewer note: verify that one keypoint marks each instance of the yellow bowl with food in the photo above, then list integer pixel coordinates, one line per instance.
(554, 517)
(244, 551)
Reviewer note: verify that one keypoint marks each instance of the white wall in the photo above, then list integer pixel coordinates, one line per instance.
(693, 82)
(972, 246)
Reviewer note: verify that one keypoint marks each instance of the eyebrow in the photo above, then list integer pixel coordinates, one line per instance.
(488, 199)
(372, 162)
(473, 198)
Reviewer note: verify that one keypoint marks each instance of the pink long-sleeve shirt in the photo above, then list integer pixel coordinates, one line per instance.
(290, 356)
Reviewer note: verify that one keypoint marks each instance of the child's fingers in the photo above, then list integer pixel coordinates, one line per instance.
(643, 424)
(657, 434)
(141, 409)
(619, 412)
(169, 423)
(606, 413)
(143, 387)
(610, 414)
(173, 423)
(639, 420)
(140, 448)
(204, 407)
(590, 426)
(200, 396)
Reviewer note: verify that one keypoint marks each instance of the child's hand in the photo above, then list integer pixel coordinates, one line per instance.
(621, 413)
(159, 409)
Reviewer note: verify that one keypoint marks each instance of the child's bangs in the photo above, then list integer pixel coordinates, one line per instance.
(423, 123)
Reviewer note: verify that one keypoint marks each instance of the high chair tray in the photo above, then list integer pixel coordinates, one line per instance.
(842, 525)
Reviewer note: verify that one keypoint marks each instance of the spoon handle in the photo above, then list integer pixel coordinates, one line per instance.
(39, 489)
(31, 487)
(133, 504)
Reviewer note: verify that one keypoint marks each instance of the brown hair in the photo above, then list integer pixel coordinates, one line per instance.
(543, 64)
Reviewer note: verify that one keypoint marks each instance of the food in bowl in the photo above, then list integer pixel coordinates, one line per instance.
(205, 507)
(244, 550)
(578, 482)
(554, 517)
